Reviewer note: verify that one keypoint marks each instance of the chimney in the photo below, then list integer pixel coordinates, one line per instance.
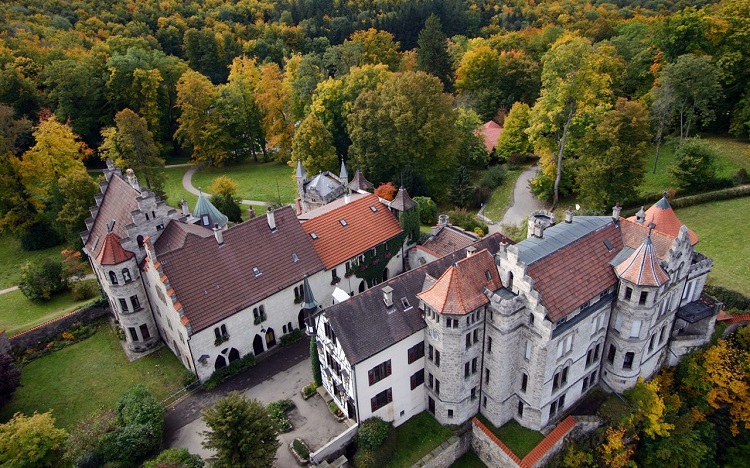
(271, 218)
(251, 212)
(298, 205)
(538, 221)
(443, 220)
(388, 296)
(569, 215)
(616, 211)
(470, 250)
(640, 217)
(538, 229)
(132, 179)
(346, 197)
(185, 208)
(218, 235)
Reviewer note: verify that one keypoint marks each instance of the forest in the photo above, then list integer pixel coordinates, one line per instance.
(397, 88)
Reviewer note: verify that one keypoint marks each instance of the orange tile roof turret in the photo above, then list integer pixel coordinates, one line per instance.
(665, 220)
(112, 252)
(642, 267)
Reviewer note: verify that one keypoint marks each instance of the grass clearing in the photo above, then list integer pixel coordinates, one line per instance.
(735, 154)
(14, 258)
(720, 228)
(502, 196)
(174, 189)
(268, 182)
(416, 438)
(81, 378)
(469, 460)
(516, 437)
(18, 314)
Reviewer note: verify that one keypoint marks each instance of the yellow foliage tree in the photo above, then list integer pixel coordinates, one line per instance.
(728, 371)
(615, 452)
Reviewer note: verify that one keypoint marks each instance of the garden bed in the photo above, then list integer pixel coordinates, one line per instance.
(300, 450)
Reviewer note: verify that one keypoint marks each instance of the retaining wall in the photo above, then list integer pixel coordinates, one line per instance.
(336, 447)
(48, 330)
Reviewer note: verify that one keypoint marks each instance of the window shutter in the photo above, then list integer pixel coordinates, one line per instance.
(373, 405)
(371, 376)
(388, 367)
(389, 394)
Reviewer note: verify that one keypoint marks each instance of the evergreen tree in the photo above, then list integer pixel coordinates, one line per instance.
(432, 52)
(315, 363)
(461, 192)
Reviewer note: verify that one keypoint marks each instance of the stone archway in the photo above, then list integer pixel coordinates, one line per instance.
(385, 275)
(258, 345)
(301, 320)
(362, 286)
(270, 338)
(234, 355)
(220, 362)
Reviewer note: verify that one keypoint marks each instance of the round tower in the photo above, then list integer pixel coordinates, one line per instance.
(539, 220)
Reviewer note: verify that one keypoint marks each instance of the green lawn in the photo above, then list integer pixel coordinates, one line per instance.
(516, 437)
(86, 376)
(18, 313)
(469, 460)
(723, 237)
(502, 196)
(13, 258)
(416, 438)
(266, 182)
(734, 155)
(174, 190)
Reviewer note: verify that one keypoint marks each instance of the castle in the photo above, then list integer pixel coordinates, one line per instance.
(521, 331)
(214, 293)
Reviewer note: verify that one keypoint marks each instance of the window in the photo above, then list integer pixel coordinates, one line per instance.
(596, 351)
(416, 352)
(429, 352)
(627, 362)
(437, 387)
(379, 372)
(474, 393)
(342, 221)
(133, 333)
(136, 303)
(256, 272)
(664, 307)
(313, 235)
(455, 323)
(635, 329)
(560, 378)
(520, 409)
(611, 354)
(334, 276)
(644, 297)
(126, 275)
(589, 357)
(618, 322)
(486, 376)
(474, 365)
(592, 380)
(123, 305)
(524, 382)
(182, 338)
(651, 343)
(405, 303)
(437, 358)
(448, 322)
(687, 293)
(476, 335)
(417, 379)
(585, 384)
(381, 399)
(466, 370)
(429, 380)
(468, 340)
(585, 304)
(144, 332)
(112, 277)
(450, 413)
(552, 409)
(488, 275)
(489, 344)
(531, 319)
(484, 401)
(527, 354)
(283, 329)
(628, 293)
(564, 346)
(510, 281)
(662, 334)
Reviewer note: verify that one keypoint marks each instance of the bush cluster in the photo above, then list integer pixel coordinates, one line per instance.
(310, 389)
(291, 338)
(301, 449)
(41, 280)
(277, 410)
(74, 334)
(731, 299)
(427, 209)
(232, 369)
(376, 443)
(84, 290)
(467, 221)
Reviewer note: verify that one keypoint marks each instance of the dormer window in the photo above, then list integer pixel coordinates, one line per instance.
(256, 272)
(373, 209)
(295, 257)
(204, 220)
(313, 235)
(610, 247)
(488, 275)
(585, 304)
(405, 303)
(342, 221)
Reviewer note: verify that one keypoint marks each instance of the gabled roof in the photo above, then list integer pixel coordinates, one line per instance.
(203, 207)
(214, 282)
(112, 252)
(324, 183)
(577, 271)
(120, 200)
(351, 229)
(364, 325)
(402, 201)
(359, 182)
(490, 133)
(642, 267)
(665, 219)
(448, 239)
(460, 290)
(174, 235)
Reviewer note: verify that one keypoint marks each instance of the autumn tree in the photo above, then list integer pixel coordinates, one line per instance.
(377, 47)
(77, 190)
(313, 145)
(694, 166)
(514, 141)
(386, 191)
(611, 162)
(477, 77)
(575, 85)
(224, 190)
(728, 373)
(131, 145)
(31, 441)
(241, 432)
(432, 52)
(302, 73)
(239, 99)
(272, 97)
(470, 148)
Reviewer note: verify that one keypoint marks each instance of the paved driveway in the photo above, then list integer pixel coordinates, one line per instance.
(312, 421)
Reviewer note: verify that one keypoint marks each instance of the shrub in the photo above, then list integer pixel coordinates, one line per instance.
(372, 433)
(277, 410)
(130, 444)
(84, 439)
(227, 206)
(41, 280)
(493, 177)
(84, 290)
(427, 209)
(335, 410)
(232, 369)
(731, 299)
(466, 220)
(315, 363)
(40, 235)
(310, 389)
(138, 406)
(291, 338)
(175, 458)
(741, 176)
(694, 167)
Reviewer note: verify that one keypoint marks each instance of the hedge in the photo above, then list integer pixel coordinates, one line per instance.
(691, 200)
(730, 299)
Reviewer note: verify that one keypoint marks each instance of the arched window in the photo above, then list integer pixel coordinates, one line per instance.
(139, 240)
(112, 277)
(126, 275)
(510, 281)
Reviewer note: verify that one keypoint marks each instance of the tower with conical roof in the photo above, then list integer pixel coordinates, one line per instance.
(208, 215)
(309, 307)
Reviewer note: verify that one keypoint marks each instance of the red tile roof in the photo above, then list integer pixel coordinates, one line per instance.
(460, 290)
(642, 267)
(448, 240)
(536, 454)
(634, 234)
(490, 133)
(215, 281)
(120, 199)
(174, 236)
(731, 319)
(577, 272)
(112, 252)
(364, 230)
(666, 221)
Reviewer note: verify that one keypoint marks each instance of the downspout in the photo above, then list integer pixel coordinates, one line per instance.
(481, 375)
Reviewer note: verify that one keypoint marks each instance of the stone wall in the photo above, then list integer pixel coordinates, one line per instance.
(448, 452)
(4, 343)
(46, 331)
(336, 447)
(490, 449)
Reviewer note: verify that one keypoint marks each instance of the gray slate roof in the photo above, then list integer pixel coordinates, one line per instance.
(365, 326)
(203, 207)
(558, 236)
